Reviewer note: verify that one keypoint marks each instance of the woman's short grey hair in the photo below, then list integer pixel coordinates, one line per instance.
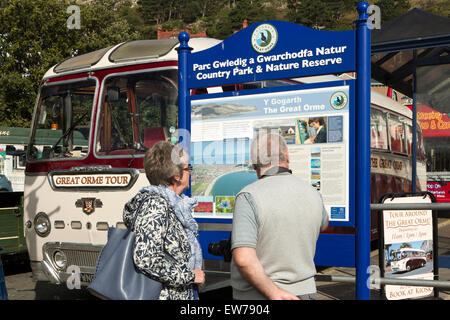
(268, 149)
(159, 167)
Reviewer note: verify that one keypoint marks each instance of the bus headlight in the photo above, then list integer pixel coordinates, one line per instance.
(42, 224)
(60, 259)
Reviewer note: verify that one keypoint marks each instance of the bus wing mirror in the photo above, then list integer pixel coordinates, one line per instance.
(112, 94)
(10, 149)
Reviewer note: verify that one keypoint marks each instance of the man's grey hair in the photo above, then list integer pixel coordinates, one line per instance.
(268, 149)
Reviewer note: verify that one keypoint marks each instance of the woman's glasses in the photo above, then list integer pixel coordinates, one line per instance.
(189, 168)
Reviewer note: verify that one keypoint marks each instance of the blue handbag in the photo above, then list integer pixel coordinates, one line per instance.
(116, 277)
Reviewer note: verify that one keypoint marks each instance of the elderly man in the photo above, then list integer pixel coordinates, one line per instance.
(276, 223)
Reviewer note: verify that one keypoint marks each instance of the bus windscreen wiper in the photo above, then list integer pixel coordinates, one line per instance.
(69, 130)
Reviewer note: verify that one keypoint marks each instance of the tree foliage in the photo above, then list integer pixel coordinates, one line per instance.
(391, 9)
(34, 35)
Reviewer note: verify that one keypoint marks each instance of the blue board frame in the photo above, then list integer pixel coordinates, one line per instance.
(332, 249)
(357, 58)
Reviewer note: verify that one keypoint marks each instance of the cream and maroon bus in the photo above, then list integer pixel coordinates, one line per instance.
(391, 152)
(407, 259)
(104, 110)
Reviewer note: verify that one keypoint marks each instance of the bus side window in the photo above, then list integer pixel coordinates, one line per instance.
(420, 148)
(141, 113)
(397, 134)
(114, 124)
(158, 110)
(378, 129)
(408, 138)
(420, 152)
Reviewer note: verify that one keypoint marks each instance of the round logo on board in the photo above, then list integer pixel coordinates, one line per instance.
(264, 38)
(338, 100)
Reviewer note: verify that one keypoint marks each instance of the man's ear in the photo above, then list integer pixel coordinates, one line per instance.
(257, 170)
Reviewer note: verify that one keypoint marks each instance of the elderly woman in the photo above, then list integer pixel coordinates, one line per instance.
(166, 246)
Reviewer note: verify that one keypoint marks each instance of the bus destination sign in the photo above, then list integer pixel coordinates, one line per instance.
(117, 179)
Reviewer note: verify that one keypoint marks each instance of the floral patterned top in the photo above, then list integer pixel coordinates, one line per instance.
(162, 248)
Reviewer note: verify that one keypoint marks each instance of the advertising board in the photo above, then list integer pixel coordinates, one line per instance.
(440, 189)
(408, 248)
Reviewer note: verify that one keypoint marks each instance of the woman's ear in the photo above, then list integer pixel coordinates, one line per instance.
(176, 179)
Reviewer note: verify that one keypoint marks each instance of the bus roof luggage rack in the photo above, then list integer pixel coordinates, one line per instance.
(81, 62)
(142, 49)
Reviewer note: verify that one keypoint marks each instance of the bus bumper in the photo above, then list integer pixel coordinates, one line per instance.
(38, 271)
(81, 260)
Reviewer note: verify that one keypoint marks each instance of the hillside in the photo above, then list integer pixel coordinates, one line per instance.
(221, 18)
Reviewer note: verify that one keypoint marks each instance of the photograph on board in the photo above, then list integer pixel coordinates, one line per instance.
(412, 258)
(311, 130)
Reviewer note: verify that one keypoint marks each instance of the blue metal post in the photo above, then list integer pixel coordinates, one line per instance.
(362, 152)
(184, 106)
(183, 92)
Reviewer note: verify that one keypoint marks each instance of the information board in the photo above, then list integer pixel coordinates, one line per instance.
(315, 123)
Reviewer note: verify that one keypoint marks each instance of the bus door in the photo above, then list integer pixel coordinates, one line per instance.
(59, 142)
